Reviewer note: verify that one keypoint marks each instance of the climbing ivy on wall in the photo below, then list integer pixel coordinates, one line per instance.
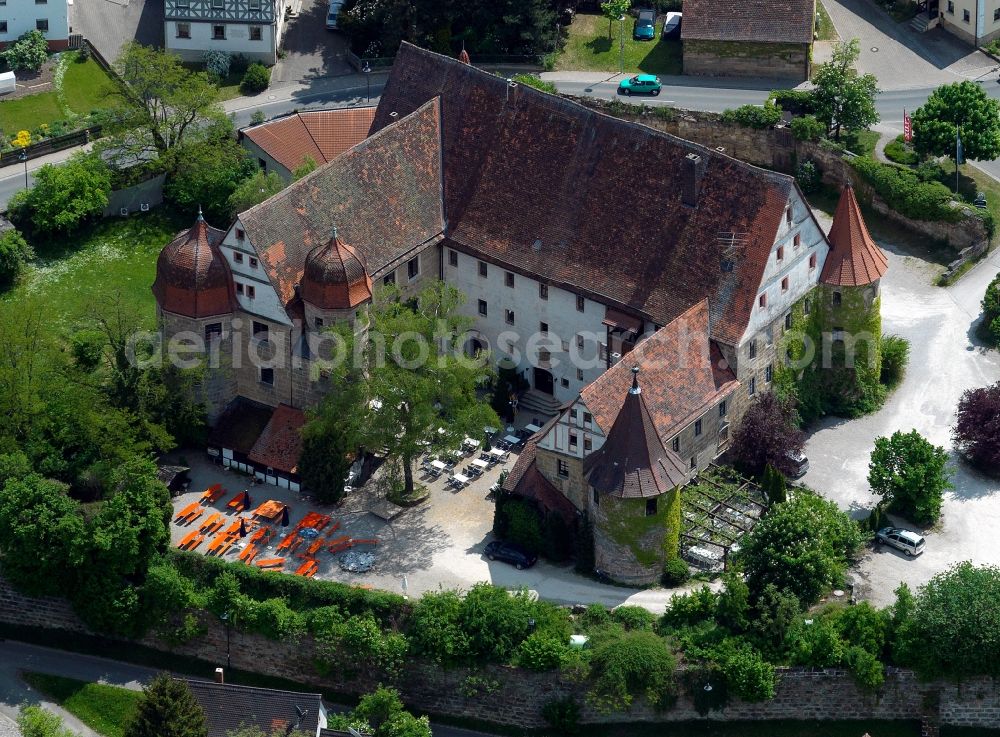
(652, 539)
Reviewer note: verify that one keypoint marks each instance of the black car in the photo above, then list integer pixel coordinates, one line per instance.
(510, 553)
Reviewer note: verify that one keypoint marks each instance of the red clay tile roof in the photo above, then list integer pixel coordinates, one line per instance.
(526, 481)
(384, 196)
(240, 425)
(633, 462)
(192, 275)
(335, 277)
(680, 381)
(764, 21)
(601, 194)
(280, 444)
(320, 134)
(854, 259)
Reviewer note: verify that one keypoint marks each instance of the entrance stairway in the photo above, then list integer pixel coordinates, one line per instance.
(920, 23)
(540, 404)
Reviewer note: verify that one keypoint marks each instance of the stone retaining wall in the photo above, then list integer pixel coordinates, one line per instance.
(515, 697)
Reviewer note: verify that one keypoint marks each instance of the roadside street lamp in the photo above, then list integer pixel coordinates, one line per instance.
(621, 45)
(225, 617)
(23, 158)
(367, 69)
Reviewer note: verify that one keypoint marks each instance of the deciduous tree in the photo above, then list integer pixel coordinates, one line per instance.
(614, 10)
(64, 197)
(961, 108)
(843, 98)
(254, 190)
(977, 429)
(911, 474)
(767, 433)
(167, 709)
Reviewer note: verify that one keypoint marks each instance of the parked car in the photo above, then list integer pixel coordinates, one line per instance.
(800, 464)
(671, 26)
(644, 28)
(641, 84)
(510, 553)
(332, 13)
(909, 542)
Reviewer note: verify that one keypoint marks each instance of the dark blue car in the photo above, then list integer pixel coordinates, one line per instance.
(510, 553)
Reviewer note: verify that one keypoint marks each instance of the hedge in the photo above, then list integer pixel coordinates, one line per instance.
(753, 116)
(797, 102)
(905, 193)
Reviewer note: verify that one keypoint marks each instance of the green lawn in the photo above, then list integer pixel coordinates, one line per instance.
(105, 709)
(84, 86)
(825, 27)
(115, 257)
(589, 49)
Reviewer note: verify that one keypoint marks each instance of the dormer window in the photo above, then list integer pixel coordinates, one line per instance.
(253, 263)
(781, 253)
(788, 216)
(240, 234)
(237, 257)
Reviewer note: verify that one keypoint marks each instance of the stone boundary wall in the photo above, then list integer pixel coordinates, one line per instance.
(515, 697)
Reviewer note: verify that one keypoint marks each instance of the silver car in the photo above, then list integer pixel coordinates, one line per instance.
(909, 542)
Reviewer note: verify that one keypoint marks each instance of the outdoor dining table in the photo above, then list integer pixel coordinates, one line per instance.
(480, 463)
(269, 509)
(460, 478)
(439, 465)
(512, 439)
(497, 452)
(532, 428)
(471, 443)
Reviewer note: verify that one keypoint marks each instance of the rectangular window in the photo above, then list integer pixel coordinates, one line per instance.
(951, 7)
(588, 419)
(413, 267)
(218, 4)
(251, 291)
(788, 216)
(602, 349)
(267, 376)
(694, 463)
(597, 499)
(651, 507)
(3, 26)
(260, 330)
(965, 16)
(213, 331)
(797, 240)
(581, 303)
(482, 307)
(812, 261)
(837, 299)
(579, 342)
(543, 327)
(239, 288)
(752, 349)
(42, 24)
(237, 257)
(588, 444)
(572, 441)
(253, 263)
(762, 300)
(564, 382)
(806, 307)
(543, 291)
(781, 253)
(508, 316)
(483, 269)
(254, 4)
(996, 15)
(256, 33)
(390, 278)
(41, 2)
(675, 445)
(318, 322)
(769, 373)
(697, 428)
(508, 279)
(572, 415)
(240, 234)
(788, 321)
(838, 334)
(784, 284)
(544, 357)
(579, 374)
(452, 258)
(722, 408)
(562, 469)
(183, 3)
(218, 33)
(752, 387)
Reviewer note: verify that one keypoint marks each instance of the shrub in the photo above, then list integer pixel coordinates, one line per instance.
(808, 128)
(868, 671)
(271, 618)
(675, 572)
(562, 715)
(541, 651)
(748, 675)
(977, 428)
(899, 151)
(83, 53)
(524, 525)
(434, 628)
(766, 435)
(635, 663)
(633, 617)
(911, 474)
(991, 310)
(904, 191)
(14, 255)
(733, 604)
(256, 79)
(217, 63)
(495, 621)
(537, 82)
(596, 615)
(690, 609)
(808, 177)
(28, 52)
(797, 102)
(753, 116)
(895, 352)
(64, 197)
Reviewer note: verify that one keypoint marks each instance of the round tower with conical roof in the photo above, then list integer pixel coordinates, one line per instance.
(335, 284)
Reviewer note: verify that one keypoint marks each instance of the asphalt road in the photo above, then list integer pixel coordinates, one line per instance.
(18, 656)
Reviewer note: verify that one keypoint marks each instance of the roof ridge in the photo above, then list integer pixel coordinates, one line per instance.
(241, 687)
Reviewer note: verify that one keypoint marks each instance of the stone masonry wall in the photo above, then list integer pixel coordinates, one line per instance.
(515, 697)
(744, 59)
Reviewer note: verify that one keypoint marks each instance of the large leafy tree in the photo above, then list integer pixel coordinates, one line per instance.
(977, 429)
(330, 442)
(991, 312)
(64, 197)
(167, 709)
(766, 435)
(254, 190)
(911, 474)
(614, 10)
(960, 108)
(801, 546)
(845, 100)
(14, 254)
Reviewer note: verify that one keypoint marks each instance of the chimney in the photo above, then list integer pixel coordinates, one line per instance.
(691, 179)
(219, 677)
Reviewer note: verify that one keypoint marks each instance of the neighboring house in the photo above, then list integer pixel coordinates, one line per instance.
(51, 17)
(285, 144)
(251, 28)
(571, 257)
(974, 21)
(261, 440)
(756, 38)
(229, 707)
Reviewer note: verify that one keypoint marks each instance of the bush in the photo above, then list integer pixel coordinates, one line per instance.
(895, 352)
(28, 52)
(868, 671)
(766, 435)
(635, 663)
(217, 63)
(753, 116)
(633, 617)
(796, 102)
(748, 675)
(64, 197)
(675, 572)
(434, 628)
(905, 193)
(562, 715)
(15, 253)
(808, 128)
(690, 609)
(808, 176)
(900, 151)
(256, 79)
(977, 429)
(538, 83)
(524, 525)
(541, 651)
(495, 621)
(991, 310)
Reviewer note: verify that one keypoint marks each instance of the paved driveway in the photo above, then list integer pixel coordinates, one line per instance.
(311, 51)
(944, 361)
(904, 58)
(109, 24)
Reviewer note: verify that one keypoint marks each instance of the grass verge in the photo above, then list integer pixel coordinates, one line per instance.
(588, 48)
(105, 709)
(824, 25)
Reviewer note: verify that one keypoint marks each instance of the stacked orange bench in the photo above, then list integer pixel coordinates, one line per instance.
(248, 554)
(191, 540)
(271, 563)
(212, 524)
(307, 569)
(190, 513)
(212, 494)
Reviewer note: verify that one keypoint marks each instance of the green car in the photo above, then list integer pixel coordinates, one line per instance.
(642, 84)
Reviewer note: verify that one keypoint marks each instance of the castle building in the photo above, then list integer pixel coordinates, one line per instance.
(585, 245)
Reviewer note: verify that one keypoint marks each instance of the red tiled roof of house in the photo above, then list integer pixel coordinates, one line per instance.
(335, 277)
(633, 462)
(682, 377)
(280, 444)
(240, 425)
(384, 196)
(192, 275)
(763, 21)
(602, 196)
(526, 481)
(319, 134)
(854, 259)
